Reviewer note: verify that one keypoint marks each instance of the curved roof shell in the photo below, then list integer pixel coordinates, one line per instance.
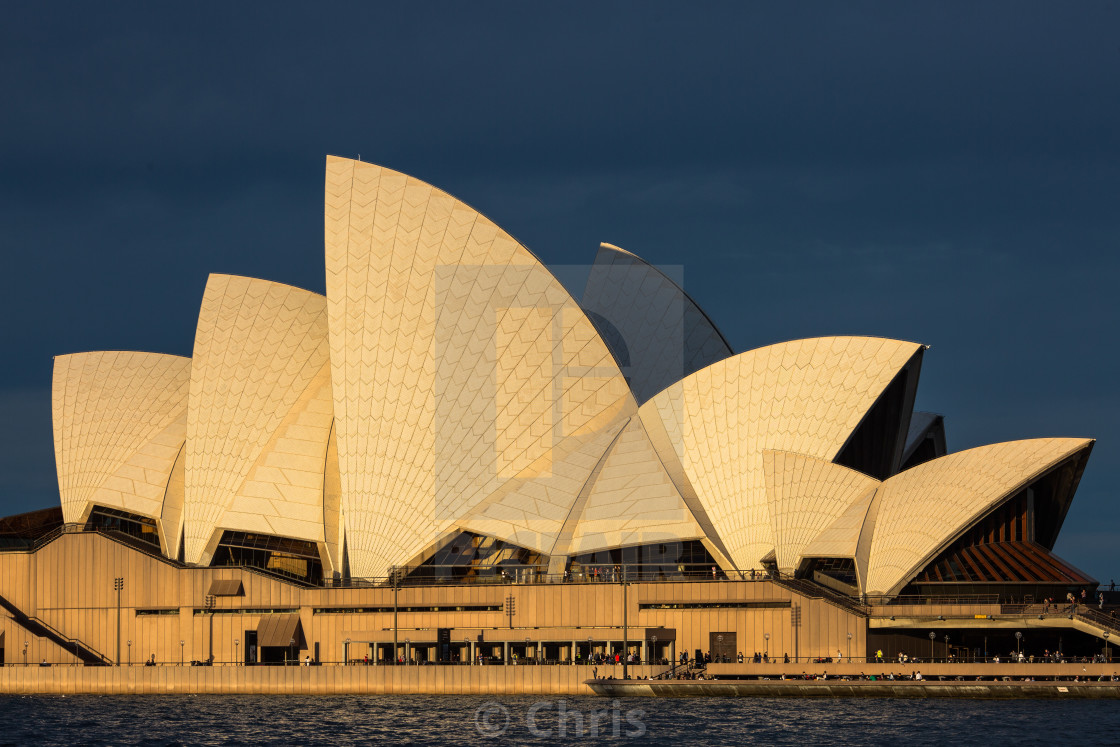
(922, 510)
(805, 396)
(459, 364)
(805, 496)
(631, 500)
(260, 413)
(120, 420)
(657, 332)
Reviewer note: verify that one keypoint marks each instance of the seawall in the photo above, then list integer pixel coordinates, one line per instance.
(552, 680)
(335, 680)
(854, 689)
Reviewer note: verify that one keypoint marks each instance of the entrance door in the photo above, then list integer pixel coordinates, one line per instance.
(276, 654)
(250, 647)
(722, 646)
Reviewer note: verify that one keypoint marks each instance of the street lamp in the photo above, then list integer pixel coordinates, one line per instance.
(1106, 646)
(467, 650)
(719, 642)
(588, 649)
(118, 585)
(1018, 644)
(292, 646)
(766, 648)
(210, 608)
(932, 635)
(407, 650)
(346, 653)
(849, 648)
(25, 645)
(526, 650)
(947, 654)
(130, 653)
(181, 644)
(236, 643)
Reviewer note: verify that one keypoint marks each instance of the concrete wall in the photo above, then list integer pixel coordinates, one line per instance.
(446, 680)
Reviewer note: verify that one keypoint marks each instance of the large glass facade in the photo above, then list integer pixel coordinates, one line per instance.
(291, 558)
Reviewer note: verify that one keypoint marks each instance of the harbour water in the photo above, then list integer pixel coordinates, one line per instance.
(441, 720)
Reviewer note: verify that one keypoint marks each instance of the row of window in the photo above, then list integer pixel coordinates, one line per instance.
(775, 604)
(366, 610)
(765, 604)
(327, 610)
(282, 611)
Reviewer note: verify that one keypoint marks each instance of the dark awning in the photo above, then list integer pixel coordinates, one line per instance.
(279, 630)
(230, 587)
(663, 634)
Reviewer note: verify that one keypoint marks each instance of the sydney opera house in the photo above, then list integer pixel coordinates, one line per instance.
(450, 458)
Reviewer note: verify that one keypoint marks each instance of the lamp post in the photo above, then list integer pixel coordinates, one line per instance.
(407, 650)
(118, 584)
(210, 608)
(181, 654)
(393, 575)
(947, 654)
(719, 644)
(849, 648)
(766, 647)
(346, 653)
(526, 650)
(625, 625)
(467, 651)
(130, 653)
(292, 646)
(653, 649)
(588, 649)
(25, 645)
(932, 635)
(1106, 646)
(236, 644)
(1018, 644)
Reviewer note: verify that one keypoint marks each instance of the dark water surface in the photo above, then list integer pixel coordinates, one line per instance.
(457, 720)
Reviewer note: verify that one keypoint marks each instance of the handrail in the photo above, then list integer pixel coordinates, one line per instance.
(671, 672)
(271, 573)
(59, 638)
(120, 538)
(883, 600)
(603, 573)
(72, 640)
(1097, 617)
(816, 591)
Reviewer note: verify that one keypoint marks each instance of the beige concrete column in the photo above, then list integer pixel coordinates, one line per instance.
(572, 656)
(474, 657)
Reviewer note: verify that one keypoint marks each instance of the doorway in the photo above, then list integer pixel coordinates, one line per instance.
(723, 646)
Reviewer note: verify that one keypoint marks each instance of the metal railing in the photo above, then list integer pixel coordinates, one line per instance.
(123, 538)
(42, 629)
(79, 647)
(971, 599)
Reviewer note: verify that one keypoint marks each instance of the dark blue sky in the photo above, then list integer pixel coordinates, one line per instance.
(946, 173)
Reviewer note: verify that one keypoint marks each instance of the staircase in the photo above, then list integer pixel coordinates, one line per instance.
(1100, 619)
(33, 625)
(816, 591)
